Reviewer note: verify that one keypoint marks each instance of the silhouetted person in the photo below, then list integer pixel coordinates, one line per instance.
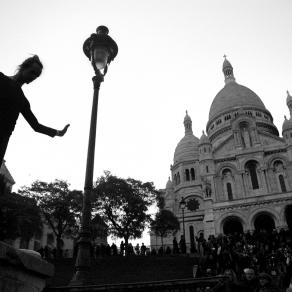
(46, 252)
(175, 246)
(122, 248)
(168, 250)
(137, 249)
(182, 244)
(143, 249)
(41, 252)
(114, 249)
(108, 250)
(13, 102)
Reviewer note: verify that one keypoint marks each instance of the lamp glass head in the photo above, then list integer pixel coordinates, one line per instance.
(100, 57)
(182, 204)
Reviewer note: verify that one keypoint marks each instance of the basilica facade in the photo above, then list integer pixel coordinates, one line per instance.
(236, 177)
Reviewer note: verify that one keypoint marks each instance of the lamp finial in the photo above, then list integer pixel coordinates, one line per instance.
(102, 30)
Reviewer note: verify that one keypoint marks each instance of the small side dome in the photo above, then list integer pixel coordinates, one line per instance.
(204, 139)
(169, 184)
(287, 125)
(187, 148)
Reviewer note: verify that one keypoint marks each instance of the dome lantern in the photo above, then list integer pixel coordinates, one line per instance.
(204, 139)
(289, 102)
(228, 71)
(188, 124)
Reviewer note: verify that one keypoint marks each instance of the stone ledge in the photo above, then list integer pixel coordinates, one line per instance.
(31, 263)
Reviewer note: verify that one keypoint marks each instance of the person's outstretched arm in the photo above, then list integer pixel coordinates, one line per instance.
(32, 120)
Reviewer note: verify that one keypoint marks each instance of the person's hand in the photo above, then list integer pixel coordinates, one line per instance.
(63, 132)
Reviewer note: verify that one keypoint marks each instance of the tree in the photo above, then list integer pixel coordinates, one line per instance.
(19, 217)
(60, 206)
(164, 224)
(3, 187)
(123, 203)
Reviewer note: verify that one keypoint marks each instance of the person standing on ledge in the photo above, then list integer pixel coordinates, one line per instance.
(13, 102)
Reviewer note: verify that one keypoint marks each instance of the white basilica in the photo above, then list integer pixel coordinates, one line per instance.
(237, 176)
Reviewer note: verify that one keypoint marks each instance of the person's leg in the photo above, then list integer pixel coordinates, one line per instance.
(3, 146)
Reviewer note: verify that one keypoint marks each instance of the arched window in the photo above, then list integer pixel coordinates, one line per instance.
(252, 170)
(229, 191)
(282, 183)
(187, 172)
(228, 183)
(193, 174)
(226, 173)
(207, 168)
(178, 178)
(245, 134)
(278, 166)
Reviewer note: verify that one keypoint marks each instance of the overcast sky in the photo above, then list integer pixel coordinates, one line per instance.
(169, 61)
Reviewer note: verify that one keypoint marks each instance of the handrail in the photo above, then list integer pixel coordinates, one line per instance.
(214, 283)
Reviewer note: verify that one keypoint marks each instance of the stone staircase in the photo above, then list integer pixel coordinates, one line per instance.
(132, 269)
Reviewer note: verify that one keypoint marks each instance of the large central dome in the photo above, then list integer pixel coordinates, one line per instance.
(233, 95)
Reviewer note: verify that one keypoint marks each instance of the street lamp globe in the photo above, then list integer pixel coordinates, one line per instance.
(100, 49)
(182, 203)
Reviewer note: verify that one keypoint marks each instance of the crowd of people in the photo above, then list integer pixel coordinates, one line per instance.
(254, 261)
(259, 261)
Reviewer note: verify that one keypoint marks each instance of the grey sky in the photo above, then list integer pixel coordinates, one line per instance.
(170, 60)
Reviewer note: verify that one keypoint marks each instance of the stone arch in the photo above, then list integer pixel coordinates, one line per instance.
(253, 175)
(243, 119)
(225, 165)
(247, 159)
(232, 224)
(264, 221)
(274, 158)
(223, 180)
(288, 216)
(233, 214)
(263, 210)
(278, 171)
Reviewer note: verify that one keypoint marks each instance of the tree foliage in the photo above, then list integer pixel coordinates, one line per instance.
(164, 224)
(59, 205)
(123, 203)
(19, 217)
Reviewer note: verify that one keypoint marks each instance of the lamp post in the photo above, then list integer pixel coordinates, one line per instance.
(101, 49)
(182, 205)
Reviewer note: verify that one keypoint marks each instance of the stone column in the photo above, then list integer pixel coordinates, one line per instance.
(268, 188)
(242, 176)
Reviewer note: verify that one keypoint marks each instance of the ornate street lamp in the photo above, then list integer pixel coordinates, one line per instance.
(182, 205)
(101, 49)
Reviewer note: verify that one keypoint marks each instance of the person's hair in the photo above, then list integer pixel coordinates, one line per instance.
(29, 61)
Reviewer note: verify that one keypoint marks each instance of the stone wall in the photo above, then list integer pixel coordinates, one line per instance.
(22, 270)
